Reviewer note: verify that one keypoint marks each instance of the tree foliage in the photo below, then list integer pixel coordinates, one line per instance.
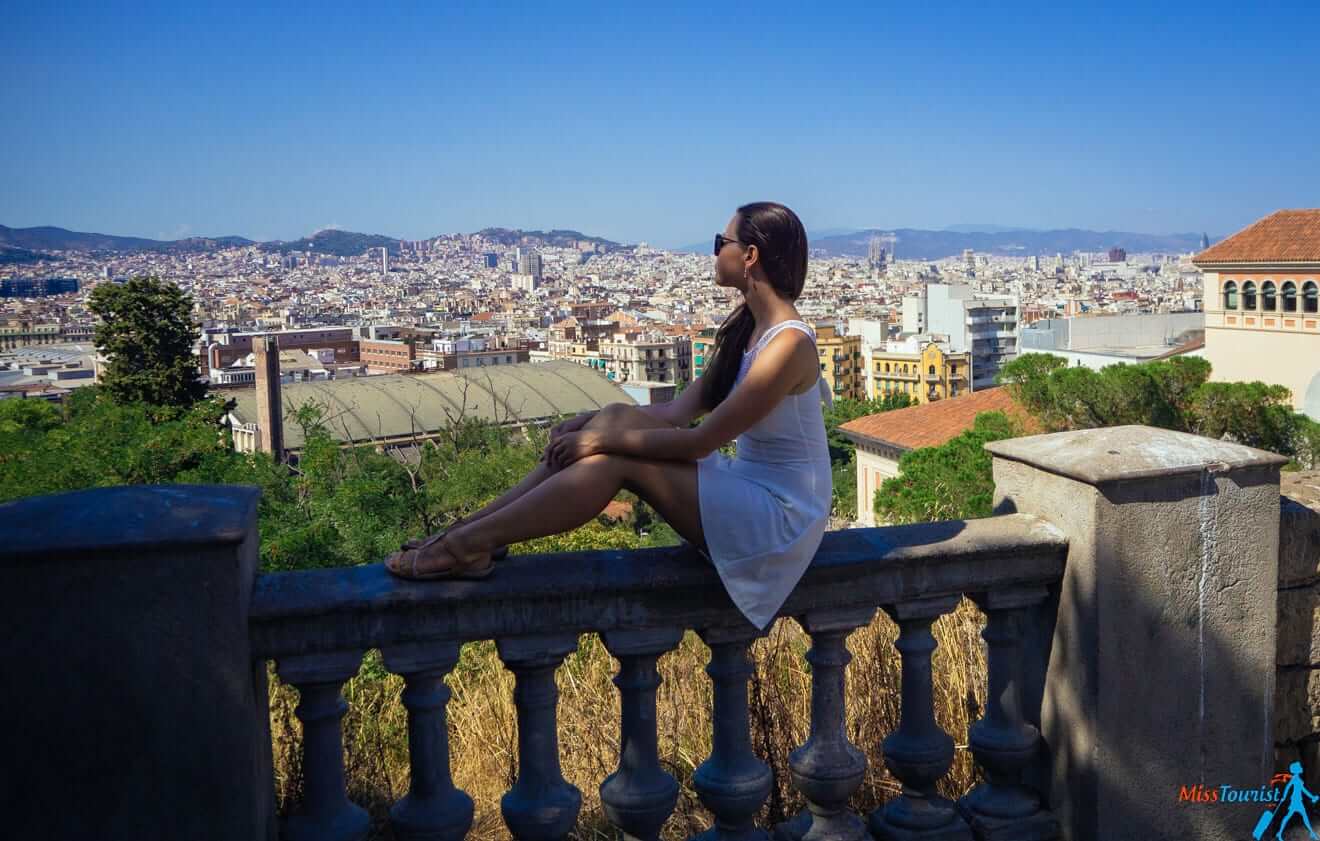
(335, 506)
(843, 457)
(1175, 394)
(951, 481)
(146, 332)
(954, 480)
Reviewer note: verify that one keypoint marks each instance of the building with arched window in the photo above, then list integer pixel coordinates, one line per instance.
(1262, 305)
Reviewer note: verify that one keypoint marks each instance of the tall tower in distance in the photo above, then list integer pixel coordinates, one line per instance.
(384, 260)
(1205, 242)
(270, 412)
(529, 262)
(875, 253)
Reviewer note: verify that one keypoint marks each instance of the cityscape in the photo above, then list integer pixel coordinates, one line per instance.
(642, 317)
(873, 422)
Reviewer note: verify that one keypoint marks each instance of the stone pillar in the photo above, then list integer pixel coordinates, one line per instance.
(1160, 674)
(133, 707)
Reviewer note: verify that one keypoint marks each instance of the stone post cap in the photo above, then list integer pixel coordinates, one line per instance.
(1116, 453)
(126, 518)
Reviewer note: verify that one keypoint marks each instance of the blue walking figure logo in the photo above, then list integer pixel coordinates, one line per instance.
(1293, 793)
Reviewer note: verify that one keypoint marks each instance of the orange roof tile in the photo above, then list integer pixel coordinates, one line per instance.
(932, 424)
(1285, 236)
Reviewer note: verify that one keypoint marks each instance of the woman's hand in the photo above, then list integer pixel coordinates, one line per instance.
(571, 446)
(573, 424)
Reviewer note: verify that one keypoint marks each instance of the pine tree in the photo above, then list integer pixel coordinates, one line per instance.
(146, 333)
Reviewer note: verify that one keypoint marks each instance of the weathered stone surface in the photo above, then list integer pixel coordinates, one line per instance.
(1299, 626)
(1127, 453)
(1163, 649)
(1299, 529)
(1297, 708)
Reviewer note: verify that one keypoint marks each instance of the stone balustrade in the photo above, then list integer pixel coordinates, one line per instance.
(1119, 581)
(317, 624)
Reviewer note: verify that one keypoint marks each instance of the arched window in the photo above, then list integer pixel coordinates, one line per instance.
(1248, 296)
(932, 370)
(1230, 295)
(1289, 296)
(1310, 297)
(1268, 299)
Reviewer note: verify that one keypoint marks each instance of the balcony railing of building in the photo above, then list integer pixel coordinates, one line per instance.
(1095, 641)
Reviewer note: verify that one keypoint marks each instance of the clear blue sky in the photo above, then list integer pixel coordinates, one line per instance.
(168, 120)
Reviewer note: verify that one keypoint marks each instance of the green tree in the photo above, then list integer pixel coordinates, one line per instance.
(146, 332)
(843, 456)
(1255, 414)
(951, 481)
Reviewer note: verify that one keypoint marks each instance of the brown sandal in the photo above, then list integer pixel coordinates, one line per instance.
(498, 554)
(469, 572)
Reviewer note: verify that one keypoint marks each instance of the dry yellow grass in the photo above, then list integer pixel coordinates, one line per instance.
(483, 731)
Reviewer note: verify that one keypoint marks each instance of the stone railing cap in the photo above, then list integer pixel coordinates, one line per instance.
(1117, 453)
(116, 519)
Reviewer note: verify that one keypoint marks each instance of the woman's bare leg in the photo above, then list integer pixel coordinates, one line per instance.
(618, 414)
(570, 498)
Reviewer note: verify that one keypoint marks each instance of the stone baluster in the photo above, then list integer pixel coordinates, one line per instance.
(1003, 741)
(541, 805)
(326, 813)
(919, 753)
(828, 768)
(433, 809)
(639, 797)
(733, 782)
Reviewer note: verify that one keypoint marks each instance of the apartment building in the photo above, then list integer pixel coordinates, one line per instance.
(923, 368)
(841, 362)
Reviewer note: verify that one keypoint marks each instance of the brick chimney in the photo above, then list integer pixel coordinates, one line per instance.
(270, 412)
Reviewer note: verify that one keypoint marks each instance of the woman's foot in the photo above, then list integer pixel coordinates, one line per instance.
(498, 554)
(441, 556)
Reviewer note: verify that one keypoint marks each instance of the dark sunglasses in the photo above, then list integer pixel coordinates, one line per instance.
(721, 240)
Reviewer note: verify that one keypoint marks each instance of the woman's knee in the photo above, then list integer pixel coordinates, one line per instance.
(608, 415)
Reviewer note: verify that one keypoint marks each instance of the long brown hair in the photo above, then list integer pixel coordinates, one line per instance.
(781, 243)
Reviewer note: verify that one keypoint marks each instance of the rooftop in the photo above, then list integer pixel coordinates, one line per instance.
(392, 406)
(1285, 236)
(932, 424)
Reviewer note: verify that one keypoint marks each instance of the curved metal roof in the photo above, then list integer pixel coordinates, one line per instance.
(392, 406)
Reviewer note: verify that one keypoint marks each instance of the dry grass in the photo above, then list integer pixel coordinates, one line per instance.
(483, 731)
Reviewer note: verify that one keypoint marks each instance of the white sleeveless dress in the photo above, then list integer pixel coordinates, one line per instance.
(764, 512)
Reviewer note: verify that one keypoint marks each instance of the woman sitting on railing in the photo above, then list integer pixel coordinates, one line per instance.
(758, 517)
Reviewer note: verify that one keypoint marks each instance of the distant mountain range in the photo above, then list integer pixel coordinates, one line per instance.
(59, 239)
(18, 244)
(917, 244)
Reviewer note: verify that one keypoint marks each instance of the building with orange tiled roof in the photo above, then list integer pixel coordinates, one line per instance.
(1262, 305)
(882, 439)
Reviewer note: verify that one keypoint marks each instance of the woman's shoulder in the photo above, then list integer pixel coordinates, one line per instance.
(805, 357)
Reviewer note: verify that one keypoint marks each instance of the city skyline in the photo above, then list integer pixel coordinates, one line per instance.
(168, 122)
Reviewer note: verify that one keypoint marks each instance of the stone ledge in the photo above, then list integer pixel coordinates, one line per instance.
(357, 608)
